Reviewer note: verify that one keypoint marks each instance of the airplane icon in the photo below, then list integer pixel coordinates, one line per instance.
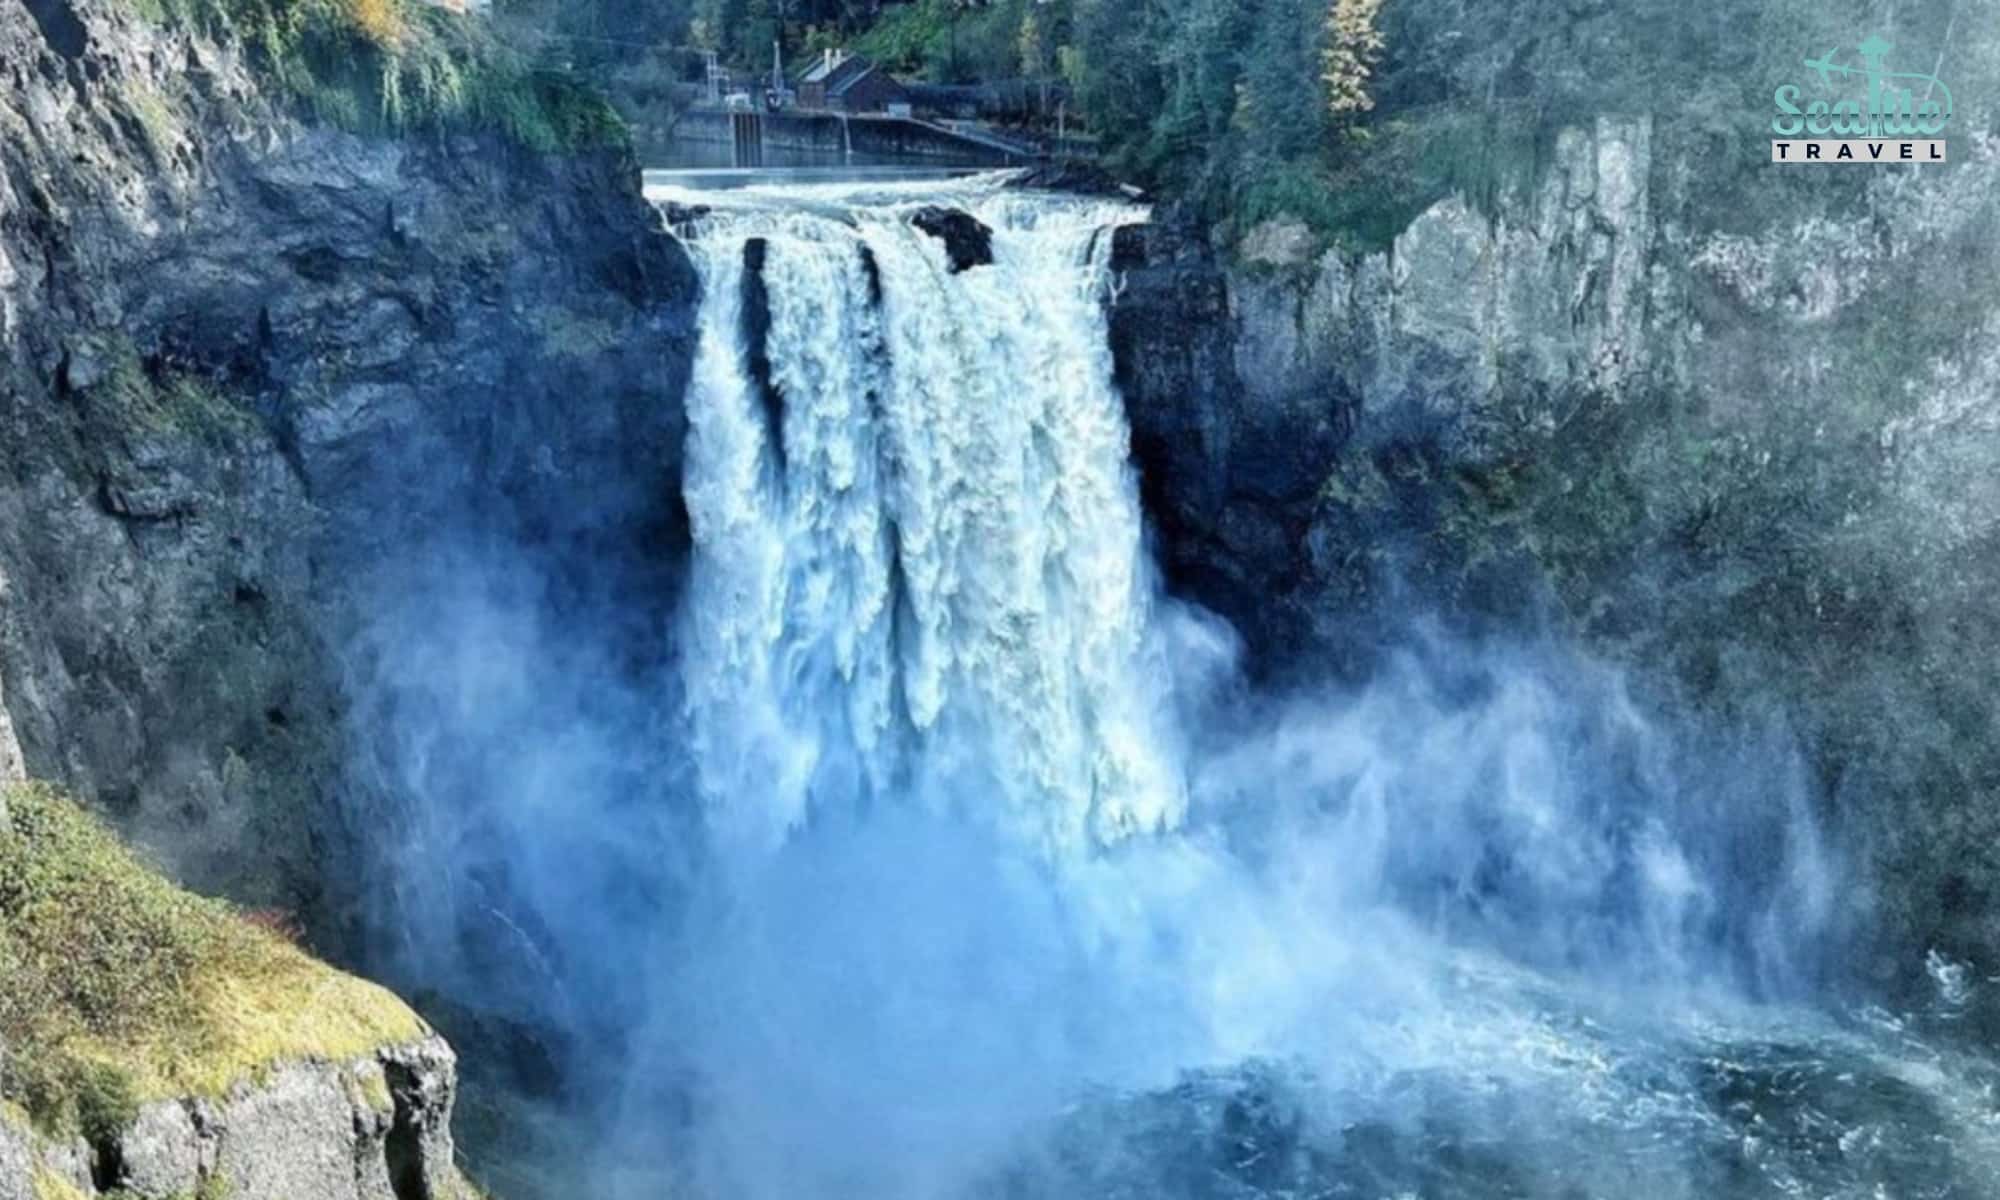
(1826, 66)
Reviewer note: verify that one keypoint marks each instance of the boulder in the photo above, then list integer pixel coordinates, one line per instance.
(378, 1128)
(1075, 176)
(968, 242)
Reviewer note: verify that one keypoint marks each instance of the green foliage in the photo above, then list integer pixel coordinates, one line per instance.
(1279, 104)
(106, 1103)
(1224, 103)
(214, 1186)
(162, 398)
(592, 35)
(1410, 161)
(117, 987)
(740, 30)
(951, 42)
(404, 66)
(903, 39)
(1220, 102)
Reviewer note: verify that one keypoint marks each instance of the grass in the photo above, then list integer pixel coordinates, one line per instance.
(403, 66)
(1367, 194)
(164, 398)
(50, 1186)
(374, 1089)
(117, 988)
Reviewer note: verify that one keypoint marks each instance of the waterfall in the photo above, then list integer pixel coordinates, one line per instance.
(919, 572)
(940, 855)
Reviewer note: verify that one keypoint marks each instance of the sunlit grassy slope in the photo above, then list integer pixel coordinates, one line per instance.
(117, 987)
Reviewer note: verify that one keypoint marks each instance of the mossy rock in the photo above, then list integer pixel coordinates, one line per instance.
(117, 988)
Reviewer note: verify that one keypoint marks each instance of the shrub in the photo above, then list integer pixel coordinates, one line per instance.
(277, 922)
(106, 1103)
(403, 66)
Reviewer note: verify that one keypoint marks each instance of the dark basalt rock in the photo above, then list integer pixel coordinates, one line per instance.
(286, 359)
(757, 342)
(1074, 176)
(966, 240)
(680, 216)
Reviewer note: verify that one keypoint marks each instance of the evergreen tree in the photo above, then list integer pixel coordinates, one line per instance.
(1280, 116)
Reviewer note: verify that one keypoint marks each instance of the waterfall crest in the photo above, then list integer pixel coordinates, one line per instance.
(919, 566)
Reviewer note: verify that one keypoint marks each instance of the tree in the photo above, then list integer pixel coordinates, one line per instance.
(1354, 46)
(1279, 115)
(1034, 47)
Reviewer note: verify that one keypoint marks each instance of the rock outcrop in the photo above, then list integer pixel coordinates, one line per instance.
(376, 1128)
(967, 242)
(1250, 381)
(12, 769)
(1079, 177)
(1734, 430)
(245, 359)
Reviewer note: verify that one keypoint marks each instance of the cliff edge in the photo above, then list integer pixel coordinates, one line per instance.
(250, 355)
(155, 1044)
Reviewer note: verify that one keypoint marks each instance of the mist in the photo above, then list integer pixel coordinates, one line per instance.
(921, 846)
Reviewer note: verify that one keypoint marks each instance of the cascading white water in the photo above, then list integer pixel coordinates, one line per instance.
(920, 585)
(1480, 925)
(920, 572)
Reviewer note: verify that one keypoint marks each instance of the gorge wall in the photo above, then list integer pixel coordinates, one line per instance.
(1728, 427)
(249, 361)
(247, 357)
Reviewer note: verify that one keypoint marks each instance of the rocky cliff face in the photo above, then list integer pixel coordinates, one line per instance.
(1728, 427)
(246, 359)
(374, 1129)
(1729, 441)
(248, 362)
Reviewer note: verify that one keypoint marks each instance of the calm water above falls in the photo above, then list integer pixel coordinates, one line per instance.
(1017, 891)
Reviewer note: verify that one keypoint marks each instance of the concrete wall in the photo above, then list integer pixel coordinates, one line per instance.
(823, 133)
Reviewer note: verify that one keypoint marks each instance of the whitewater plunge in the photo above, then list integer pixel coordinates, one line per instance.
(919, 570)
(1015, 894)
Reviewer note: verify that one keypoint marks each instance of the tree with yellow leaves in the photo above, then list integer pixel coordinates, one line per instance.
(1354, 46)
(380, 21)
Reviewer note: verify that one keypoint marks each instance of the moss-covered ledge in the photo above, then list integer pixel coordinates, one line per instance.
(157, 1044)
(400, 66)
